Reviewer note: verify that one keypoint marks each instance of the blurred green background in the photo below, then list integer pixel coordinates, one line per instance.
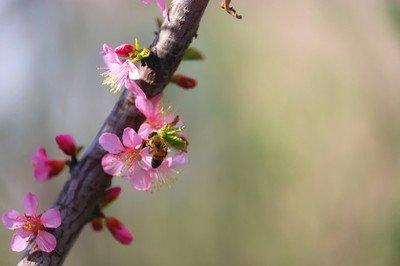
(294, 130)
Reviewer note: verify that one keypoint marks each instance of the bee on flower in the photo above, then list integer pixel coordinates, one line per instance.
(136, 158)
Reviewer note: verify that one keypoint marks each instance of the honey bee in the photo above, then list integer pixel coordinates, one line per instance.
(161, 141)
(158, 148)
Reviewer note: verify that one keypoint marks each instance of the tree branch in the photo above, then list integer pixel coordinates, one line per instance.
(78, 199)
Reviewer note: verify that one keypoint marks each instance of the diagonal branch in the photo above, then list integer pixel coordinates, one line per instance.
(78, 199)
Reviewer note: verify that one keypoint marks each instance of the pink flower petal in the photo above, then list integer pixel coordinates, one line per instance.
(41, 172)
(39, 156)
(132, 86)
(13, 219)
(145, 107)
(109, 56)
(146, 159)
(30, 204)
(20, 240)
(130, 138)
(51, 218)
(179, 159)
(145, 129)
(156, 99)
(163, 7)
(141, 180)
(133, 71)
(111, 143)
(46, 241)
(112, 164)
(45, 168)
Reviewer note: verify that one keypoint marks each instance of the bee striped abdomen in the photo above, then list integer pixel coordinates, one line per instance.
(156, 161)
(158, 150)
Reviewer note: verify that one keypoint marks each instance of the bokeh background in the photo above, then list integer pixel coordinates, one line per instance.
(294, 130)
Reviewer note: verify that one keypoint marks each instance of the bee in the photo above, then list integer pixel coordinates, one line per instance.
(163, 140)
(158, 148)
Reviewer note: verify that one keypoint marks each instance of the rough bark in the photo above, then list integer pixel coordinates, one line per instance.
(78, 199)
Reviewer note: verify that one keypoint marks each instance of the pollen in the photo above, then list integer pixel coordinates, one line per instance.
(162, 181)
(112, 82)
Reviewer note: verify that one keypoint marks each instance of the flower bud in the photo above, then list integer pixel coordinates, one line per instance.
(124, 49)
(66, 143)
(183, 81)
(97, 224)
(119, 231)
(56, 166)
(110, 195)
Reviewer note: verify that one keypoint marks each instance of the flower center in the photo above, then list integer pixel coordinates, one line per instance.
(33, 224)
(130, 158)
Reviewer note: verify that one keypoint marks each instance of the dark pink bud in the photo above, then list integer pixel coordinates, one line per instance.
(56, 166)
(124, 49)
(183, 81)
(110, 195)
(97, 224)
(119, 231)
(66, 143)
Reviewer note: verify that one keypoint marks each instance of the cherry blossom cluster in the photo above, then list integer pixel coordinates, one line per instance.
(132, 159)
(148, 158)
(32, 227)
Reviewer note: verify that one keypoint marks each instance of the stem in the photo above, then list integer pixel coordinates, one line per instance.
(79, 198)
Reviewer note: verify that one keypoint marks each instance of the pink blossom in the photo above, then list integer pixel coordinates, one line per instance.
(119, 231)
(32, 226)
(162, 5)
(67, 144)
(125, 159)
(45, 168)
(118, 71)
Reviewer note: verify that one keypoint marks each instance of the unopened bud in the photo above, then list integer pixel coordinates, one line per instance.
(119, 231)
(124, 49)
(183, 81)
(97, 224)
(67, 144)
(110, 195)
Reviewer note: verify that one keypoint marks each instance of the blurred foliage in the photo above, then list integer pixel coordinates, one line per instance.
(393, 7)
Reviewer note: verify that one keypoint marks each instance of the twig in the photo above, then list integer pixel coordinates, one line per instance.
(78, 199)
